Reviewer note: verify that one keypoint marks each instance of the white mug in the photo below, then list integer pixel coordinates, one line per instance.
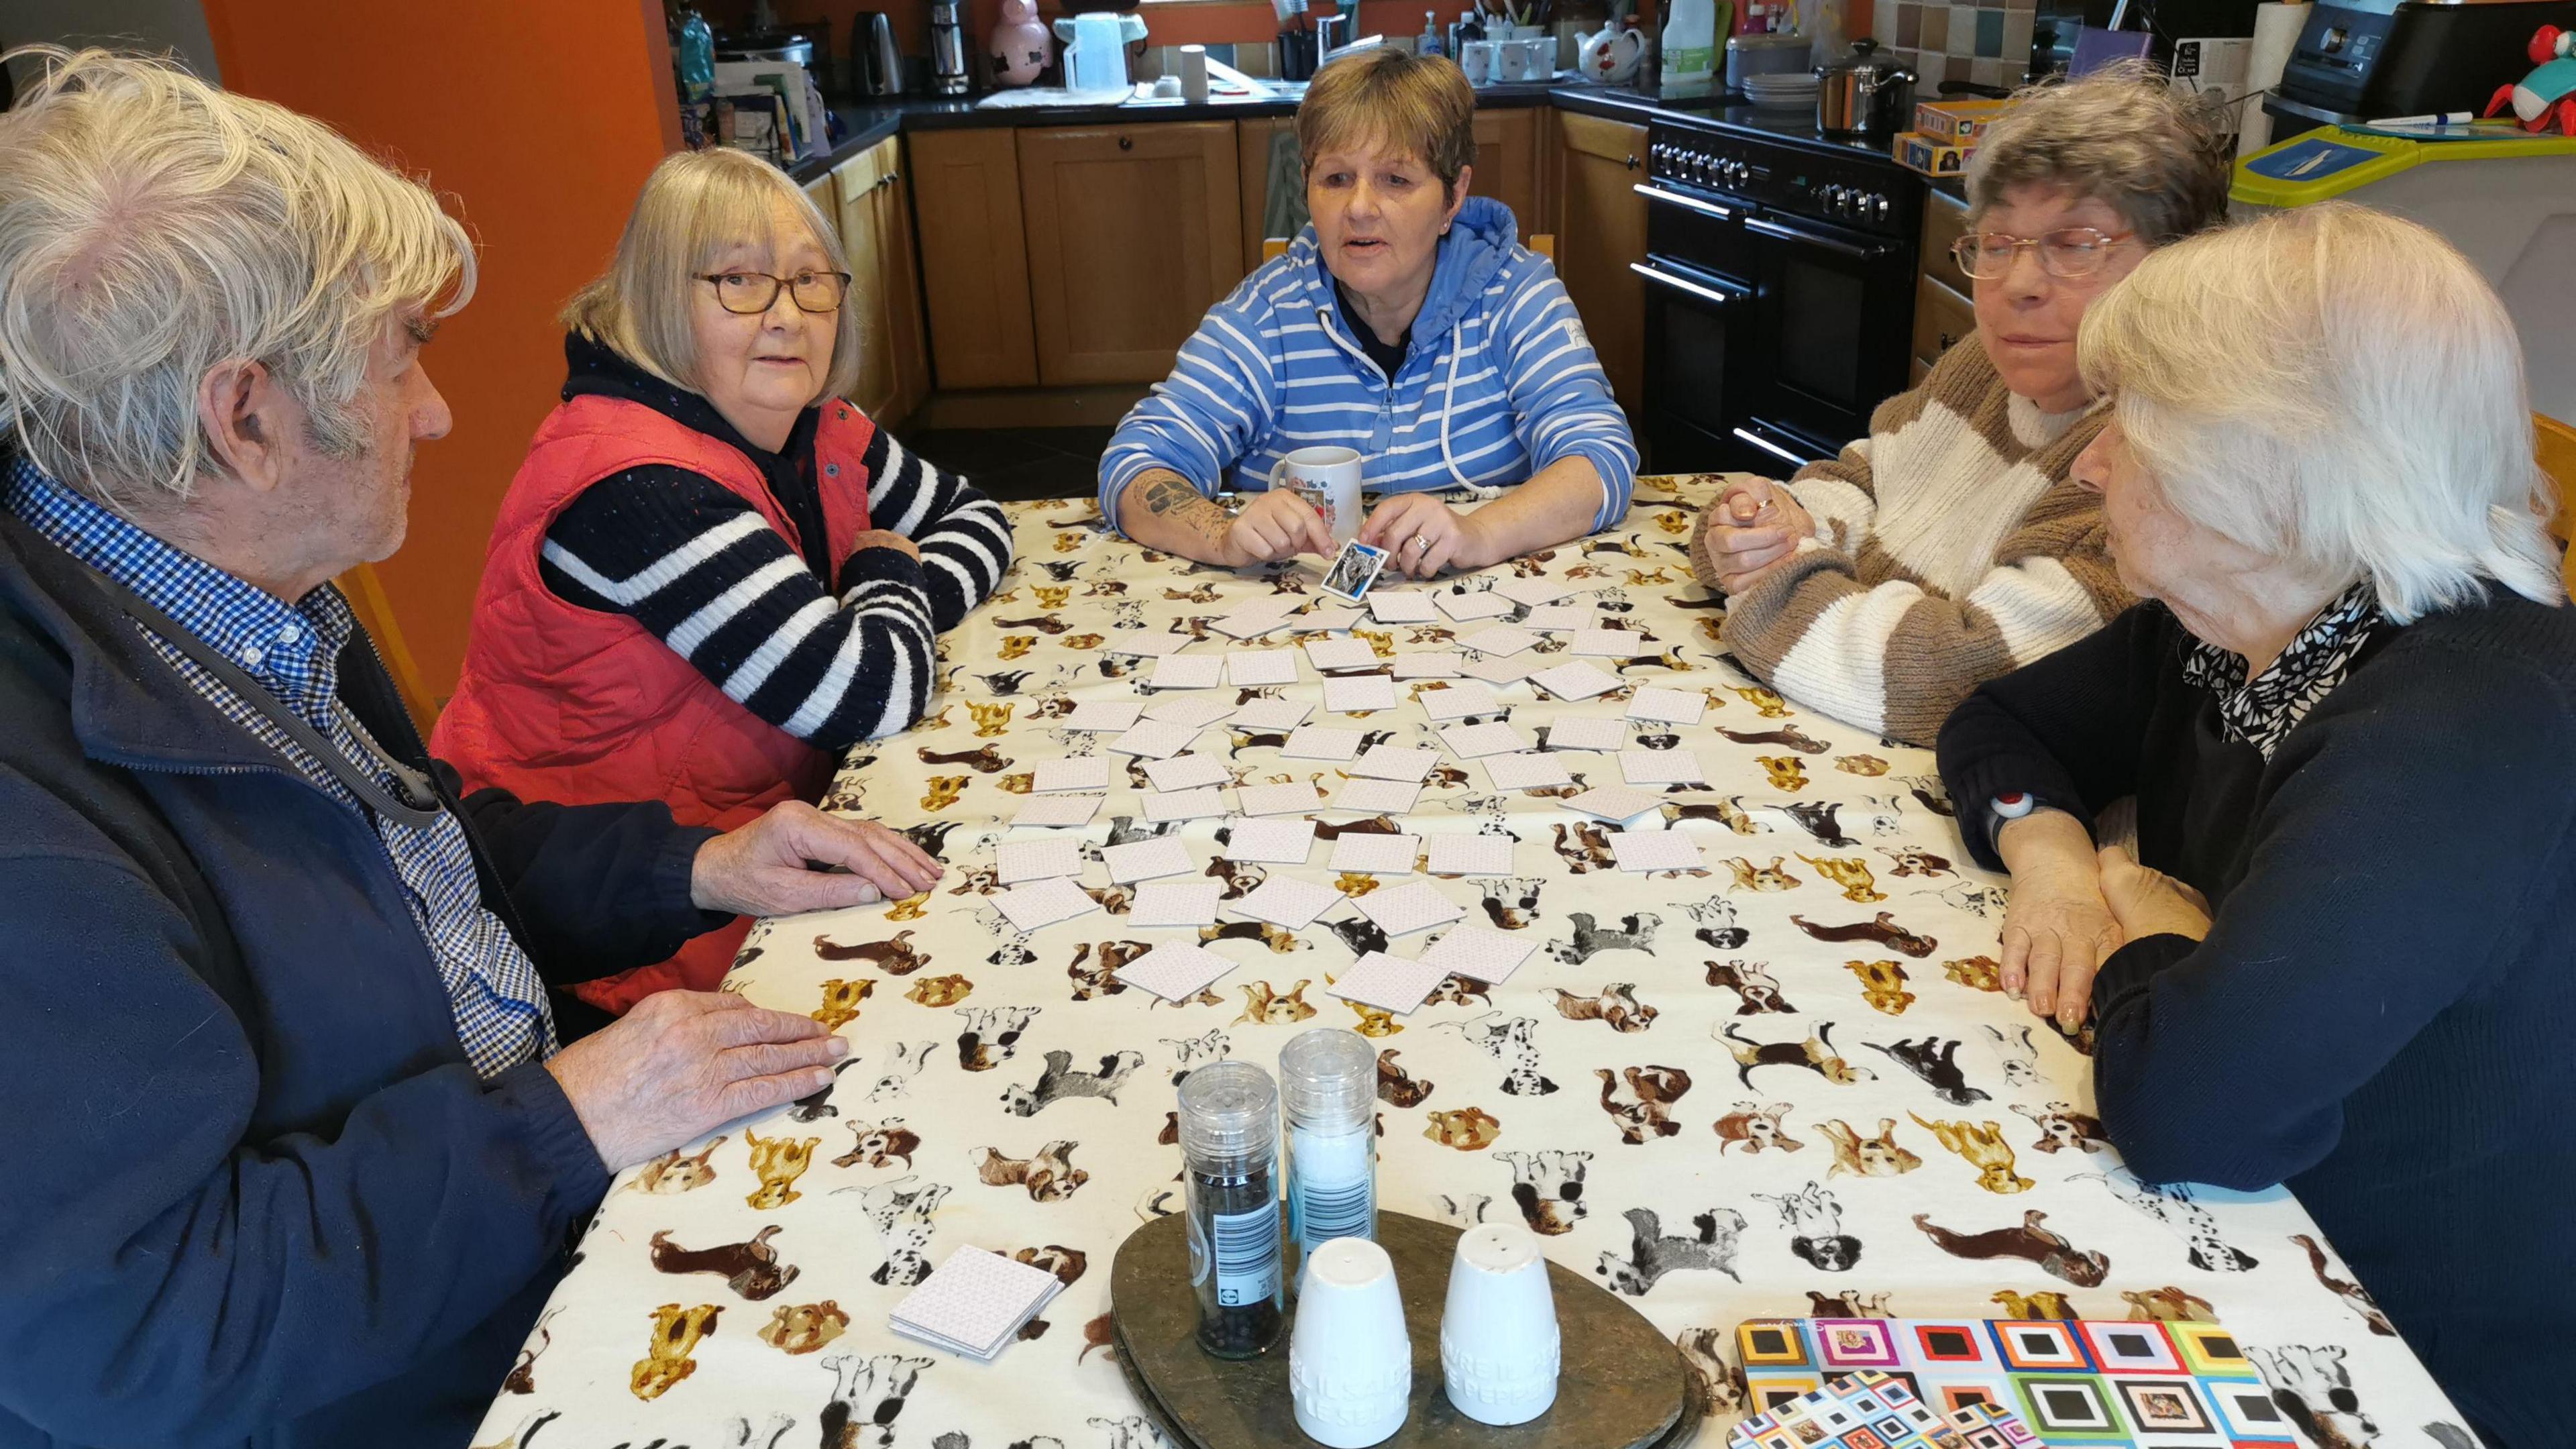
(1512, 60)
(1476, 58)
(1329, 478)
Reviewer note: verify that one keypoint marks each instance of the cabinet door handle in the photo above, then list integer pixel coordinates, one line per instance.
(1632, 163)
(1126, 143)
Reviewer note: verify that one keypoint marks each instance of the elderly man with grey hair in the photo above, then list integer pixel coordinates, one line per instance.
(298, 1154)
(2347, 713)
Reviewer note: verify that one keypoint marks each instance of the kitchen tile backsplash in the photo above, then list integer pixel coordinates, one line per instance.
(1986, 43)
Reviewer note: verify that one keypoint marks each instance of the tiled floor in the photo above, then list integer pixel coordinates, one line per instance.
(1016, 463)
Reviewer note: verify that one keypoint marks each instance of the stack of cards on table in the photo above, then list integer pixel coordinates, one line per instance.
(975, 1304)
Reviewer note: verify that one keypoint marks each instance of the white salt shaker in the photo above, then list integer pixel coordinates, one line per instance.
(1499, 1349)
(1350, 1362)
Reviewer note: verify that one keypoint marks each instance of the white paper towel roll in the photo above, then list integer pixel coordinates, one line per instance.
(2276, 32)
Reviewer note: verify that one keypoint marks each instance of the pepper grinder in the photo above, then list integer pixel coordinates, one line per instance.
(948, 74)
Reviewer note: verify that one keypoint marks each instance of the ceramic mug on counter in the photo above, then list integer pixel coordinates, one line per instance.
(1476, 58)
(1525, 59)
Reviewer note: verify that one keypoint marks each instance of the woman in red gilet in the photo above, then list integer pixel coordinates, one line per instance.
(712, 575)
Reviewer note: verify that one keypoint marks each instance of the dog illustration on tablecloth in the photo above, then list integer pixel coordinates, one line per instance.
(867, 1396)
(1981, 1146)
(1512, 905)
(2051, 1251)
(1815, 1223)
(1937, 1063)
(1547, 1187)
(2353, 1294)
(2314, 1391)
(901, 1213)
(1756, 1127)
(1756, 989)
(895, 956)
(672, 1173)
(1060, 1081)
(1816, 1054)
(2175, 1206)
(880, 1144)
(1191, 1053)
(1636, 933)
(802, 1328)
(1511, 1040)
(666, 1361)
(750, 1268)
(1879, 1156)
(1652, 1254)
(902, 1065)
(1615, 1006)
(992, 1034)
(1714, 925)
(1049, 1175)
(1644, 1108)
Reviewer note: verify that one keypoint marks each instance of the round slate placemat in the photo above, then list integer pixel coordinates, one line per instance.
(1622, 1384)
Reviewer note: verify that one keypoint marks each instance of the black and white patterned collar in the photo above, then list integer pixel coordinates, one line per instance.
(2263, 710)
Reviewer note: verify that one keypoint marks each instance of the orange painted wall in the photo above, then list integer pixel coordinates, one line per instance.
(539, 121)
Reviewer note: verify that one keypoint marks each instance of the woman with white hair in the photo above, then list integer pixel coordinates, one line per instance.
(712, 574)
(2347, 713)
(1950, 545)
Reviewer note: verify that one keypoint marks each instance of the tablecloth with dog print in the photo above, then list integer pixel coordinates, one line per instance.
(1788, 1085)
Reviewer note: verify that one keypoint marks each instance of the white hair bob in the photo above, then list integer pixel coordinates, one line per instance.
(153, 227)
(2339, 388)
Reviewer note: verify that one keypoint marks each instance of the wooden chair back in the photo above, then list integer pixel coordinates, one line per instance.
(375, 611)
(2558, 460)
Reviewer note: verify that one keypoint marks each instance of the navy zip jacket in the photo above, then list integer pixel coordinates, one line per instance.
(256, 1194)
(2380, 1014)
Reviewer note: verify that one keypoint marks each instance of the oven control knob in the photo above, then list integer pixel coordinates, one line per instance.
(1878, 207)
(1836, 198)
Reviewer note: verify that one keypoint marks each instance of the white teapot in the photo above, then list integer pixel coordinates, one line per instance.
(1609, 57)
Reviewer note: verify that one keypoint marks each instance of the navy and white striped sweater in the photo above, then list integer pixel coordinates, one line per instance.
(832, 651)
(1498, 383)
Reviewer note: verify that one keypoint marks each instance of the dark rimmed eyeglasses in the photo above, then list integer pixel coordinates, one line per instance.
(752, 293)
(2075, 251)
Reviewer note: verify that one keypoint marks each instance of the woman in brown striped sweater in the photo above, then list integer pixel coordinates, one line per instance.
(1952, 545)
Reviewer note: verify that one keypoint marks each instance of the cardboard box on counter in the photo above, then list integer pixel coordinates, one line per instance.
(1957, 122)
(1930, 155)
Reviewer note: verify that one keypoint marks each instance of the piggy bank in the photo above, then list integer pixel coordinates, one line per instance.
(1019, 45)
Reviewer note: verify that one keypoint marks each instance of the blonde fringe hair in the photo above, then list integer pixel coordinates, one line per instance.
(694, 206)
(1394, 100)
(2336, 386)
(153, 227)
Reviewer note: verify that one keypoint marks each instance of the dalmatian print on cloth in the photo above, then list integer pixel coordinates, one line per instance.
(1721, 1096)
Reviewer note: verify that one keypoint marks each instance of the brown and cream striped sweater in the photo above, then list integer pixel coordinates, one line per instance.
(1954, 546)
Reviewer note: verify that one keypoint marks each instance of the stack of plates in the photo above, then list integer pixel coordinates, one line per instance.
(1781, 92)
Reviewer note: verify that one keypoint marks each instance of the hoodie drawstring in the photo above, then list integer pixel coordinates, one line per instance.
(1449, 398)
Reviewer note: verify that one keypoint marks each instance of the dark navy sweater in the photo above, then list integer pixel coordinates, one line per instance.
(2381, 1015)
(256, 1195)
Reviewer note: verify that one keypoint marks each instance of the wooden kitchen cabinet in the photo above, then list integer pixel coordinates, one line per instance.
(1603, 230)
(1252, 142)
(876, 233)
(1942, 320)
(1133, 232)
(974, 257)
(1509, 166)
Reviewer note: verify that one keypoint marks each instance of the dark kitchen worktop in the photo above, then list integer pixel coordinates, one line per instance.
(869, 122)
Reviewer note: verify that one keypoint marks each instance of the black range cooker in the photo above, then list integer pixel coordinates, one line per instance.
(1779, 279)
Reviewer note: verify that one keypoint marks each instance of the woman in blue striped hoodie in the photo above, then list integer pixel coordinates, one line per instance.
(1407, 323)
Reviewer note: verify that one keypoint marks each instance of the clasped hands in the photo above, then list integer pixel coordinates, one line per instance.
(2071, 908)
(1753, 525)
(1424, 534)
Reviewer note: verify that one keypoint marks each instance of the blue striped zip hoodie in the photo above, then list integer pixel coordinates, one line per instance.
(1498, 382)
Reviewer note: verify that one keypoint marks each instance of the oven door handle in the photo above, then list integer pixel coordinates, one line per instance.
(1770, 447)
(1687, 203)
(1836, 245)
(1708, 294)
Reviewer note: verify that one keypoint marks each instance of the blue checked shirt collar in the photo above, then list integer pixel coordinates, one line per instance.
(294, 649)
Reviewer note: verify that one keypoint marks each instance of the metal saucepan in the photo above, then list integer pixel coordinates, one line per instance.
(1863, 93)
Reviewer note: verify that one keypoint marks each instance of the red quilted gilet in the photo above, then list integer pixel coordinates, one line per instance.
(569, 704)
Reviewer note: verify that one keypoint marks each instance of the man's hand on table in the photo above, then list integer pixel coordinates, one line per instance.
(1427, 535)
(684, 1061)
(767, 868)
(1754, 524)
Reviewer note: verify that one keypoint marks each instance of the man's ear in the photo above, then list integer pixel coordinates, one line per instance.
(246, 416)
